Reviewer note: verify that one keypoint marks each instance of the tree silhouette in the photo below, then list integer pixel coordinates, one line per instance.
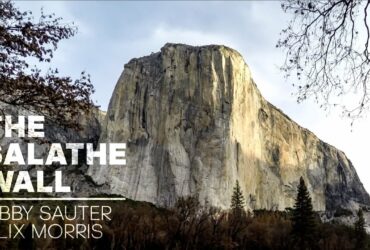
(303, 218)
(237, 199)
(360, 232)
(21, 38)
(27, 243)
(327, 48)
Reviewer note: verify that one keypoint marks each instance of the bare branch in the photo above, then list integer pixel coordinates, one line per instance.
(324, 48)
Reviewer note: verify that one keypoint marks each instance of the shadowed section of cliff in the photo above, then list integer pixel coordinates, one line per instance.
(195, 122)
(74, 175)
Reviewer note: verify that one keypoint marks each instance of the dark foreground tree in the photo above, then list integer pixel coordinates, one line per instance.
(237, 220)
(237, 199)
(22, 37)
(27, 243)
(327, 45)
(360, 232)
(303, 219)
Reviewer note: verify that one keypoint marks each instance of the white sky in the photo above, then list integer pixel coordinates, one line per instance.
(113, 32)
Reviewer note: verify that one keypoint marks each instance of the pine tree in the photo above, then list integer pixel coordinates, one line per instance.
(360, 232)
(237, 199)
(303, 218)
(237, 217)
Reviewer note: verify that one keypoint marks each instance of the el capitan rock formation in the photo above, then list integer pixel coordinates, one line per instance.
(195, 122)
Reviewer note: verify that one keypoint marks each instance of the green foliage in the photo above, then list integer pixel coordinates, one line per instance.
(360, 232)
(303, 218)
(237, 199)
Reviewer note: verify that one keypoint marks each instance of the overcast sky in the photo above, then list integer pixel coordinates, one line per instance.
(113, 32)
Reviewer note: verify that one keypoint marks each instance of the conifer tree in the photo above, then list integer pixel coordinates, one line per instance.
(360, 232)
(303, 218)
(237, 199)
(237, 217)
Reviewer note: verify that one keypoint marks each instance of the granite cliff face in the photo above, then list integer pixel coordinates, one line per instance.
(195, 122)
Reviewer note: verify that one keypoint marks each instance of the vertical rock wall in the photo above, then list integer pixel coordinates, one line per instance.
(195, 122)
